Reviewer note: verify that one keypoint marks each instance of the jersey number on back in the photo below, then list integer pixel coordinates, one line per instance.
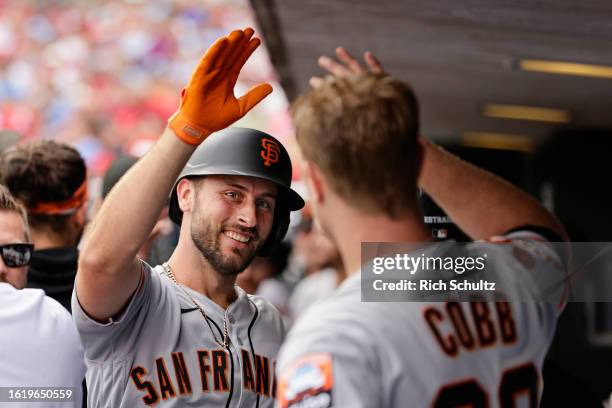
(517, 381)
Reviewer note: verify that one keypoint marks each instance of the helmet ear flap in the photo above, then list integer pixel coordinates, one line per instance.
(279, 228)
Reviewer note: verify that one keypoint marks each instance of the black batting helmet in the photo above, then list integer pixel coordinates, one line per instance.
(245, 152)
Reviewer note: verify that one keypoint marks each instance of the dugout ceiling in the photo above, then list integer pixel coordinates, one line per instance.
(459, 56)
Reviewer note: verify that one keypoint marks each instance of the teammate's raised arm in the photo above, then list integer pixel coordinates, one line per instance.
(108, 269)
(480, 203)
(343, 127)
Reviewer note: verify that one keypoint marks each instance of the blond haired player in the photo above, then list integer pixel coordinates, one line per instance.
(359, 134)
(182, 334)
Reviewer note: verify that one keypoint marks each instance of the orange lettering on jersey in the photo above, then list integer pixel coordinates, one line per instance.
(467, 335)
(433, 317)
(507, 327)
(482, 322)
(219, 362)
(466, 393)
(204, 369)
(464, 334)
(520, 382)
(182, 374)
(165, 384)
(262, 370)
(247, 371)
(152, 397)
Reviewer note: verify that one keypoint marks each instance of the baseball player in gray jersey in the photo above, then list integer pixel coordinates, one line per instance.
(182, 334)
(358, 132)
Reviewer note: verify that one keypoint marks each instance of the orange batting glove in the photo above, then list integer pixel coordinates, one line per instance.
(208, 103)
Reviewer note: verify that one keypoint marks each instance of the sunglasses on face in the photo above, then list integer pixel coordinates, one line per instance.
(16, 255)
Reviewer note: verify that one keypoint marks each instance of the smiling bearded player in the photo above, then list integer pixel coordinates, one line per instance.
(182, 333)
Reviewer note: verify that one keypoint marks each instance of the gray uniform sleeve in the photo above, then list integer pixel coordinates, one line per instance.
(110, 347)
(309, 376)
(116, 339)
(547, 272)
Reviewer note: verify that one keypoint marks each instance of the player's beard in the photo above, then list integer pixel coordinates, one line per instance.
(206, 238)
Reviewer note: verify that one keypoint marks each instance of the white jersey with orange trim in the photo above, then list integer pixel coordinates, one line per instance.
(161, 352)
(348, 353)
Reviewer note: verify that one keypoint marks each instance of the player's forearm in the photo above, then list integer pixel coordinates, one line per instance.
(131, 210)
(480, 203)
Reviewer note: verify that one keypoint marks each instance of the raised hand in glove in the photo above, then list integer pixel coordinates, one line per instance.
(208, 103)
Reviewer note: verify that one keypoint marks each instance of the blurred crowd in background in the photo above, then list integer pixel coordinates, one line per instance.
(104, 76)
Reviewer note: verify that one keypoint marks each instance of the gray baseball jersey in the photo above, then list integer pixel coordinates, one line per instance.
(161, 351)
(345, 353)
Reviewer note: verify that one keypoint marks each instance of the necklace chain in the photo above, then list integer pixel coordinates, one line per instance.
(225, 343)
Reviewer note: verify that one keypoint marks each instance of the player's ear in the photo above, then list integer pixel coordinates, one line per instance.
(77, 222)
(80, 216)
(185, 192)
(315, 182)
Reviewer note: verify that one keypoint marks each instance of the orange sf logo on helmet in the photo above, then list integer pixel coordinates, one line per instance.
(271, 151)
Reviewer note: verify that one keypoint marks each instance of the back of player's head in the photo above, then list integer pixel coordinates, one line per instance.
(8, 203)
(49, 178)
(361, 131)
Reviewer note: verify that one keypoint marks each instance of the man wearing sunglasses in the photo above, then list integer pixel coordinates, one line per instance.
(39, 344)
(15, 250)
